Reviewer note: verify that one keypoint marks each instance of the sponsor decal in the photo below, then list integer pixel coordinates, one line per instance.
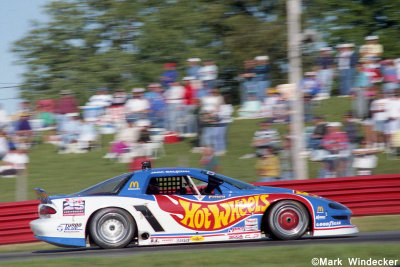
(73, 207)
(199, 198)
(134, 185)
(197, 238)
(70, 227)
(236, 237)
(328, 224)
(183, 240)
(320, 209)
(251, 224)
(236, 230)
(216, 197)
(320, 217)
(252, 236)
(211, 216)
(170, 171)
(154, 241)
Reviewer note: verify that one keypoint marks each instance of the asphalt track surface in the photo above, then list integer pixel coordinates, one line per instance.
(370, 237)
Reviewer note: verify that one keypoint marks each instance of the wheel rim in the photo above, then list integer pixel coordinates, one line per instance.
(289, 219)
(112, 228)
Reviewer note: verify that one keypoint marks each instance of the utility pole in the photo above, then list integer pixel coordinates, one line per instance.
(293, 8)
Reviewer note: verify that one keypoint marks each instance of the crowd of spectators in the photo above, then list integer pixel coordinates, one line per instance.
(191, 105)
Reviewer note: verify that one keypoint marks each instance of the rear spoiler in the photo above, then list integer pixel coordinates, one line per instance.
(42, 196)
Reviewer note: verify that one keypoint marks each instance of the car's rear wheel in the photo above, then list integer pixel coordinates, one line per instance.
(112, 228)
(287, 220)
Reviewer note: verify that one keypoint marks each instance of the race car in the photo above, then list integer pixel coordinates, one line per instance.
(183, 205)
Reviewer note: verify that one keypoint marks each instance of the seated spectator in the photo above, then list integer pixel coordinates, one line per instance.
(265, 136)
(14, 162)
(119, 98)
(315, 139)
(123, 140)
(365, 159)
(137, 108)
(337, 147)
(251, 107)
(87, 136)
(101, 99)
(70, 131)
(268, 166)
(351, 129)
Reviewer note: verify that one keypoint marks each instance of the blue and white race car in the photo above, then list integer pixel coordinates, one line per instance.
(183, 205)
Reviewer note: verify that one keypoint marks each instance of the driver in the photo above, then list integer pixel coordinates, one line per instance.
(153, 188)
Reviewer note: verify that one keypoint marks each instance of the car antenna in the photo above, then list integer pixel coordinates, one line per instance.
(146, 165)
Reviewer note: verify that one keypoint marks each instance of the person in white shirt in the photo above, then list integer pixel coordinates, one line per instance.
(15, 161)
(101, 99)
(212, 102)
(379, 111)
(137, 107)
(174, 97)
(393, 114)
(208, 74)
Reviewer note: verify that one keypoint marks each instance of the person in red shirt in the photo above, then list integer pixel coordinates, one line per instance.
(337, 145)
(189, 104)
(67, 103)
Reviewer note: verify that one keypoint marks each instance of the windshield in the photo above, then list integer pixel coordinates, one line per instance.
(109, 187)
(234, 182)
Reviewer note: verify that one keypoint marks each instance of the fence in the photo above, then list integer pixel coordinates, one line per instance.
(364, 195)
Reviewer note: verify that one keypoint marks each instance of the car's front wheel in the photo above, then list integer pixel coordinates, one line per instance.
(287, 220)
(112, 228)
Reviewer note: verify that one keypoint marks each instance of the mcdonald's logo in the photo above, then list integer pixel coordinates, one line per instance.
(134, 185)
(320, 209)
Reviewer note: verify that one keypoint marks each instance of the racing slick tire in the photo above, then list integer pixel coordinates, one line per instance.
(112, 228)
(287, 220)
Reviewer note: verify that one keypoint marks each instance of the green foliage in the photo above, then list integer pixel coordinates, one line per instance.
(119, 44)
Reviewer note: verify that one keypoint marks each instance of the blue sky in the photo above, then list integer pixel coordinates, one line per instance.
(15, 18)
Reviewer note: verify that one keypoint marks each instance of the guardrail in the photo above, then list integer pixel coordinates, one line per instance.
(14, 221)
(364, 195)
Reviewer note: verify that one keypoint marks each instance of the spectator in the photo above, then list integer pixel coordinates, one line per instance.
(101, 99)
(208, 75)
(119, 98)
(319, 132)
(24, 130)
(268, 106)
(268, 166)
(87, 136)
(360, 101)
(247, 84)
(261, 77)
(379, 110)
(336, 144)
(169, 76)
(265, 136)
(364, 158)
(347, 60)
(310, 88)
(14, 162)
(325, 69)
(70, 131)
(225, 118)
(66, 104)
(126, 138)
(157, 105)
(390, 79)
(212, 102)
(351, 129)
(371, 48)
(251, 108)
(393, 114)
(208, 160)
(209, 122)
(174, 104)
(137, 108)
(193, 69)
(189, 105)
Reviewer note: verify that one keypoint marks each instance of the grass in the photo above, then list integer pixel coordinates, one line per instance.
(267, 256)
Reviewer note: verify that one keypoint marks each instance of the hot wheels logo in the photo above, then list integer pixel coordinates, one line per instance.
(212, 216)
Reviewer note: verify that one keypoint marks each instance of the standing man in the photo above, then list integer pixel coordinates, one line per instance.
(208, 75)
(261, 76)
(325, 68)
(347, 60)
